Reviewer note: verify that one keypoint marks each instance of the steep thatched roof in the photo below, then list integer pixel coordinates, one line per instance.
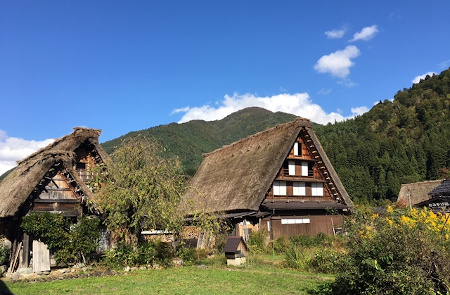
(19, 184)
(237, 177)
(442, 190)
(414, 193)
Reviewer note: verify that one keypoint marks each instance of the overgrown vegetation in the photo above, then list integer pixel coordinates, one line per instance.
(318, 253)
(69, 241)
(141, 190)
(398, 252)
(148, 253)
(4, 252)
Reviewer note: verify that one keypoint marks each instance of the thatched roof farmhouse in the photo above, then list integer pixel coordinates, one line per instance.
(53, 179)
(439, 198)
(280, 173)
(414, 193)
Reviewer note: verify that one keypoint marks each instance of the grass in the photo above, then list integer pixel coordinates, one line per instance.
(252, 279)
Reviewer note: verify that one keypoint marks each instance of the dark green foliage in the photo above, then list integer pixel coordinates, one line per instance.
(69, 241)
(148, 253)
(4, 255)
(403, 141)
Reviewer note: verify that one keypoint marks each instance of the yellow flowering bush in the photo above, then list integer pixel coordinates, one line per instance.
(396, 252)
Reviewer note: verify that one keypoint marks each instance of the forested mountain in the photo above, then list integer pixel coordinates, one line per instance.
(190, 140)
(401, 141)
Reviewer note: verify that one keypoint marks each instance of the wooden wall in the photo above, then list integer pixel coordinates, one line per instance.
(317, 224)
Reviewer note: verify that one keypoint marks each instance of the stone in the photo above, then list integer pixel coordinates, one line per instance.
(25, 270)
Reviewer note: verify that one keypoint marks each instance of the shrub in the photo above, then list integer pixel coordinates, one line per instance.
(70, 242)
(310, 240)
(147, 253)
(4, 254)
(326, 260)
(281, 244)
(257, 241)
(296, 258)
(400, 252)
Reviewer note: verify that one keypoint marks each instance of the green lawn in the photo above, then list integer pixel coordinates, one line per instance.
(259, 280)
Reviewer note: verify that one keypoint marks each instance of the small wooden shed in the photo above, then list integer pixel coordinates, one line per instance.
(235, 250)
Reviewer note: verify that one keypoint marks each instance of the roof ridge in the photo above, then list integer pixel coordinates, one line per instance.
(248, 138)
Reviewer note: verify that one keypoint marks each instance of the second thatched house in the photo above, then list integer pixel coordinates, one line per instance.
(54, 179)
(415, 193)
(280, 179)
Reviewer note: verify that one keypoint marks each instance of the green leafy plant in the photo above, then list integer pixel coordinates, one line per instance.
(140, 190)
(398, 252)
(69, 241)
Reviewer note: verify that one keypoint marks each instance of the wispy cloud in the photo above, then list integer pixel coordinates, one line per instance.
(347, 83)
(298, 104)
(336, 33)
(365, 34)
(13, 149)
(338, 63)
(325, 91)
(421, 77)
(445, 64)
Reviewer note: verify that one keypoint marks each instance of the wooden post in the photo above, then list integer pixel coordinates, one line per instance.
(25, 250)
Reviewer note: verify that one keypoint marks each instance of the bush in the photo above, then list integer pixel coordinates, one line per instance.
(70, 242)
(310, 240)
(400, 252)
(257, 241)
(326, 260)
(296, 258)
(4, 254)
(147, 253)
(281, 244)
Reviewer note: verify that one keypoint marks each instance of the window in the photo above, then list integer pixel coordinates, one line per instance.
(279, 188)
(296, 149)
(299, 189)
(291, 167)
(295, 221)
(317, 189)
(304, 168)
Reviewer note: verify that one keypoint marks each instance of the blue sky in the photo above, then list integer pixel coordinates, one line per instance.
(122, 66)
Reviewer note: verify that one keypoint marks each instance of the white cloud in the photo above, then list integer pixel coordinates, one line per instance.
(338, 63)
(365, 34)
(13, 149)
(298, 104)
(325, 91)
(421, 77)
(336, 33)
(359, 110)
(347, 83)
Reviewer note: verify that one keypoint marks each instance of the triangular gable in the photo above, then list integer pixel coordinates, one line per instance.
(306, 179)
(60, 190)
